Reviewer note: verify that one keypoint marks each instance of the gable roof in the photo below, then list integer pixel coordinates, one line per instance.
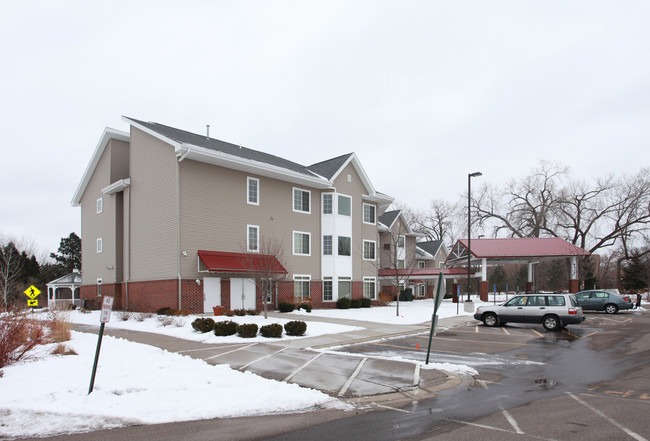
(388, 218)
(432, 246)
(330, 167)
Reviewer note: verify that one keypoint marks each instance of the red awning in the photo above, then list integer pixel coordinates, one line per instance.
(247, 263)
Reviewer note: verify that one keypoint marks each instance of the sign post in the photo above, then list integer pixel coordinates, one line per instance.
(32, 292)
(107, 307)
(434, 318)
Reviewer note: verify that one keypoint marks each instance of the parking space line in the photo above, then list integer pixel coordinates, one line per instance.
(498, 429)
(628, 431)
(572, 335)
(347, 384)
(512, 421)
(230, 352)
(292, 374)
(261, 358)
(392, 408)
(210, 348)
(505, 330)
(539, 334)
(476, 329)
(590, 334)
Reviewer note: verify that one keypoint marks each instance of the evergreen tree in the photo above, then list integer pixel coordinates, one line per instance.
(69, 253)
(589, 273)
(636, 271)
(498, 278)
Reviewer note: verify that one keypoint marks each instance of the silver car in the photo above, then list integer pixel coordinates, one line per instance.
(553, 311)
(602, 300)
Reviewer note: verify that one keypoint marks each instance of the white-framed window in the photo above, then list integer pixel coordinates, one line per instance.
(100, 205)
(301, 243)
(369, 216)
(100, 245)
(253, 238)
(327, 203)
(327, 245)
(419, 290)
(328, 293)
(253, 191)
(370, 288)
(301, 287)
(400, 241)
(401, 264)
(369, 247)
(99, 287)
(345, 246)
(422, 264)
(301, 200)
(345, 287)
(344, 205)
(441, 264)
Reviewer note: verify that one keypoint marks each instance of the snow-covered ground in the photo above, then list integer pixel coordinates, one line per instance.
(139, 384)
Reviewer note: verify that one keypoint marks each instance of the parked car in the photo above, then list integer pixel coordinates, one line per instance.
(603, 300)
(553, 311)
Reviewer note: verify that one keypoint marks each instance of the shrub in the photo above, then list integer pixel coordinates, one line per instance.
(123, 315)
(385, 299)
(240, 312)
(229, 313)
(343, 303)
(285, 307)
(355, 303)
(248, 330)
(62, 349)
(140, 316)
(222, 329)
(19, 335)
(252, 312)
(271, 331)
(165, 320)
(295, 328)
(59, 326)
(305, 306)
(179, 322)
(366, 303)
(203, 325)
(164, 311)
(181, 312)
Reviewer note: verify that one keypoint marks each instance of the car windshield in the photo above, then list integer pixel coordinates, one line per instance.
(517, 301)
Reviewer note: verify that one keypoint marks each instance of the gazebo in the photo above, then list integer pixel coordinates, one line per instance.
(527, 250)
(64, 290)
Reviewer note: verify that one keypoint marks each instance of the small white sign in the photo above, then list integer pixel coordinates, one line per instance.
(107, 307)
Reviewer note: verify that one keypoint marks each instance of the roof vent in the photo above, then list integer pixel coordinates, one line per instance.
(207, 127)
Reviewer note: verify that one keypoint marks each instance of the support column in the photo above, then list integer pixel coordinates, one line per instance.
(454, 291)
(483, 290)
(529, 282)
(573, 280)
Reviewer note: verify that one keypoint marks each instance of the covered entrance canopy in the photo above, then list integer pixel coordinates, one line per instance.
(528, 250)
(421, 273)
(239, 263)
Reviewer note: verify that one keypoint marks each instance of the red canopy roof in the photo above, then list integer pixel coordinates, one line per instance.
(249, 263)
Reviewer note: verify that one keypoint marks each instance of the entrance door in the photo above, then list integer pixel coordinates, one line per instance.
(242, 294)
(211, 293)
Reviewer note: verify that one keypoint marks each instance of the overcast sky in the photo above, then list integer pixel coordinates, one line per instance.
(424, 92)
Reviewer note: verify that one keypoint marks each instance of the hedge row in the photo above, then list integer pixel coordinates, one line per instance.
(225, 328)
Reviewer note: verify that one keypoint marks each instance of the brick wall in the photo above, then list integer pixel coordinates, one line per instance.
(152, 295)
(192, 295)
(90, 299)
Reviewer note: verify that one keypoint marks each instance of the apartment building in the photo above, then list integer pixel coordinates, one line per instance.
(171, 218)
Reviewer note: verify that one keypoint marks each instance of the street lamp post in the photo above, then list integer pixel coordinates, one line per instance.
(469, 226)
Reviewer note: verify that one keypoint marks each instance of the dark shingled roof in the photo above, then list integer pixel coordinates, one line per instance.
(430, 247)
(328, 169)
(389, 217)
(224, 147)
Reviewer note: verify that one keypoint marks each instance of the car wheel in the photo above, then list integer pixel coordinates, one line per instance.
(551, 323)
(610, 308)
(490, 319)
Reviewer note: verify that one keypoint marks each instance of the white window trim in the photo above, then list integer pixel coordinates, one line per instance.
(248, 227)
(331, 245)
(100, 205)
(418, 287)
(423, 263)
(403, 241)
(100, 245)
(331, 280)
(248, 194)
(337, 247)
(322, 203)
(339, 195)
(99, 287)
(302, 278)
(374, 281)
(374, 247)
(343, 279)
(293, 200)
(364, 214)
(293, 243)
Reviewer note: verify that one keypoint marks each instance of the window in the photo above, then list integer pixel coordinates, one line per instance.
(386, 247)
(345, 288)
(327, 245)
(100, 245)
(369, 290)
(400, 264)
(327, 289)
(301, 243)
(99, 287)
(301, 200)
(253, 188)
(419, 290)
(344, 246)
(400, 241)
(421, 264)
(345, 205)
(301, 287)
(368, 214)
(327, 203)
(368, 250)
(100, 205)
(253, 238)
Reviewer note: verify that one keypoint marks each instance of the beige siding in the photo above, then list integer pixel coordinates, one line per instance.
(95, 225)
(215, 213)
(119, 159)
(154, 228)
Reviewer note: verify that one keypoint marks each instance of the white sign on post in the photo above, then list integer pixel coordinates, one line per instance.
(107, 307)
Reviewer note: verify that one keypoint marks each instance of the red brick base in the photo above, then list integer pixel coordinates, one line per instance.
(483, 291)
(573, 286)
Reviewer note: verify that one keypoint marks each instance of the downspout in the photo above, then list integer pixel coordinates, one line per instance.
(178, 225)
(128, 250)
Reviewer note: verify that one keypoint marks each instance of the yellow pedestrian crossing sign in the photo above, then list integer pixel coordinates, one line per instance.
(32, 292)
(31, 302)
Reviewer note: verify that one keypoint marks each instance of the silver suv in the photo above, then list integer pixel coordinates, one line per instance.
(553, 311)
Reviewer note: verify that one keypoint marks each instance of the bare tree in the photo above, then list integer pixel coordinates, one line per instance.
(13, 262)
(267, 267)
